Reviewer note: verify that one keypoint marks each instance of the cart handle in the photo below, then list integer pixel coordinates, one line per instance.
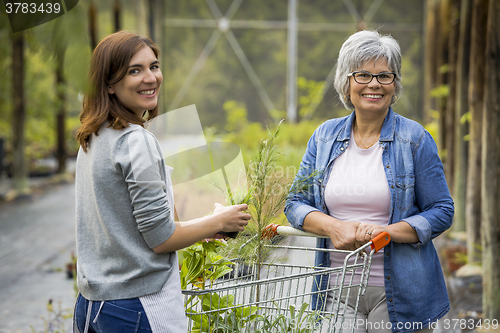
(274, 229)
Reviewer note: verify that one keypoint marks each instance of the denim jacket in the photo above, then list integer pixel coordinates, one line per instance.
(414, 283)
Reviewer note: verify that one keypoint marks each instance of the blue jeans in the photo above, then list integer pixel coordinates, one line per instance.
(124, 316)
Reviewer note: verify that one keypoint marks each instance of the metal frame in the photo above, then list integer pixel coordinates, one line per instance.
(224, 23)
(275, 289)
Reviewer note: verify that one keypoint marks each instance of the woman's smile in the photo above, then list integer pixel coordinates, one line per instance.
(148, 93)
(372, 96)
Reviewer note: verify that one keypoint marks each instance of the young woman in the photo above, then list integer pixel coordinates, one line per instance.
(378, 171)
(126, 234)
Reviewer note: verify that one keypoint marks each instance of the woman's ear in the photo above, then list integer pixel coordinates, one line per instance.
(111, 91)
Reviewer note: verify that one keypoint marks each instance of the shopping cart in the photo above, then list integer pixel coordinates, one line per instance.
(277, 297)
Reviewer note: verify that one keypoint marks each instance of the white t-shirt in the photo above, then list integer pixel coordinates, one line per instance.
(357, 190)
(164, 309)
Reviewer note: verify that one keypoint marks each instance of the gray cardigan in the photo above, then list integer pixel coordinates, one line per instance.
(122, 212)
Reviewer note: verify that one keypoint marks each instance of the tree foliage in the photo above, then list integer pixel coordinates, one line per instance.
(223, 78)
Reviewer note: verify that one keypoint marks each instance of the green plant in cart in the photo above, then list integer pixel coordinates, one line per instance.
(221, 315)
(269, 185)
(298, 321)
(201, 262)
(266, 193)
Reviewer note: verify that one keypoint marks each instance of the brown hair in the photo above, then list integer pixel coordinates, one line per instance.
(109, 64)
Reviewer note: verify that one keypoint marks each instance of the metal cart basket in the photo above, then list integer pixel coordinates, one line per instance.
(278, 297)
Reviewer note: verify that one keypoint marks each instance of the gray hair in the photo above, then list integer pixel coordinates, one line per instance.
(360, 48)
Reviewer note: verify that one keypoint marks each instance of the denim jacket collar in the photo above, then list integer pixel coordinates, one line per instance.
(386, 134)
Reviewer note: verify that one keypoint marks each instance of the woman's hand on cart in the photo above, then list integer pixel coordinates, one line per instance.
(376, 242)
(343, 235)
(367, 231)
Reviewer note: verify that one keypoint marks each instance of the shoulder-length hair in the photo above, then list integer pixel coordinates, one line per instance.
(360, 48)
(109, 64)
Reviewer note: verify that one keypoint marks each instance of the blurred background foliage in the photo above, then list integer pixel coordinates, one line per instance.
(444, 69)
(223, 77)
(65, 35)
(227, 101)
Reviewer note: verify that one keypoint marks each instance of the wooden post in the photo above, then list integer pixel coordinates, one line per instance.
(1, 157)
(61, 152)
(19, 168)
(490, 169)
(93, 24)
(462, 107)
(449, 115)
(442, 49)
(476, 95)
(430, 59)
(117, 13)
(152, 19)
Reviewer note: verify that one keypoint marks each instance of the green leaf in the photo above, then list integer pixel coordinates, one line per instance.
(209, 246)
(442, 91)
(466, 118)
(183, 274)
(214, 257)
(215, 302)
(228, 300)
(195, 269)
(220, 272)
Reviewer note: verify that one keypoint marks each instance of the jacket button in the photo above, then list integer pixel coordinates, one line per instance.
(392, 186)
(341, 148)
(387, 254)
(387, 166)
(388, 278)
(390, 299)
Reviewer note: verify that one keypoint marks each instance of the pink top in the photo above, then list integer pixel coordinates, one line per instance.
(357, 190)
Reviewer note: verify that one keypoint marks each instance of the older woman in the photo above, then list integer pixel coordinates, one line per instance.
(375, 171)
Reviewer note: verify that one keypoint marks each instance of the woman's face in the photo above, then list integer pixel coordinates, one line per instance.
(139, 88)
(372, 97)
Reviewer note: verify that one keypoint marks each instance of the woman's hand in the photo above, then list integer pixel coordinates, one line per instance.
(367, 231)
(233, 218)
(400, 232)
(343, 235)
(228, 219)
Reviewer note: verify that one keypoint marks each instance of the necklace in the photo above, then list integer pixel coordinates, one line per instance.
(361, 142)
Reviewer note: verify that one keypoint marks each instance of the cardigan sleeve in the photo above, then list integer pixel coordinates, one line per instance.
(136, 154)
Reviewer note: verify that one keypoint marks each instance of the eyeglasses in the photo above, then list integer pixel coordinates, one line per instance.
(365, 78)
